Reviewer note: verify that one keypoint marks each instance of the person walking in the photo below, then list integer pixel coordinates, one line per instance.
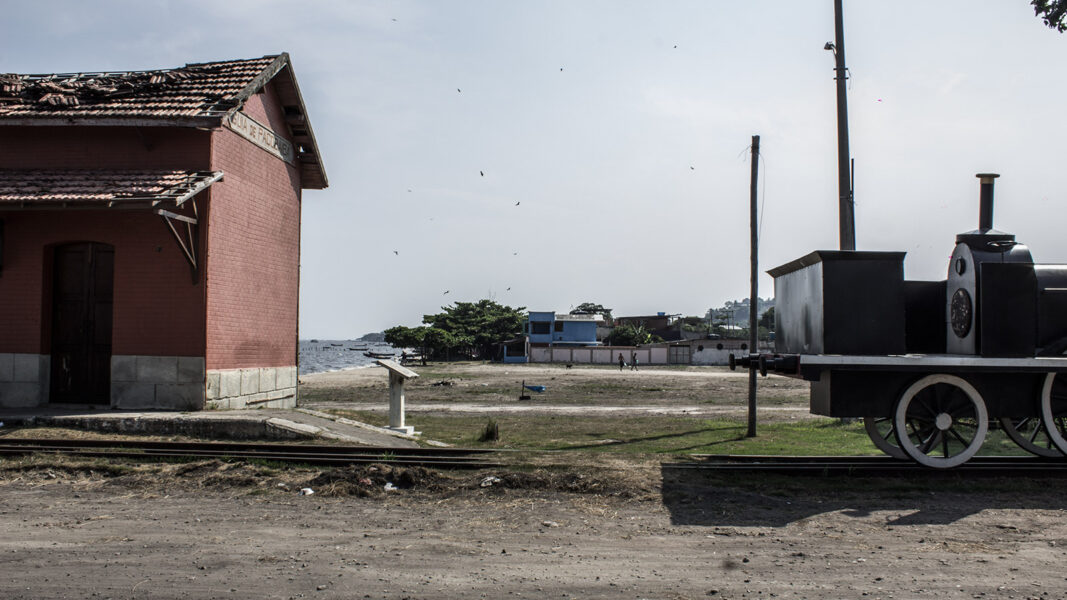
(622, 363)
(633, 361)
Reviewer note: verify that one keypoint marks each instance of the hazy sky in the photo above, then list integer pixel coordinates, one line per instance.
(613, 137)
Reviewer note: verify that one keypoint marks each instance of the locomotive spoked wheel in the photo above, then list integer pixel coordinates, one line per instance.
(1031, 435)
(1054, 409)
(880, 430)
(940, 421)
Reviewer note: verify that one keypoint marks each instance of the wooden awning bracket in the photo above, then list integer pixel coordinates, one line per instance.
(190, 241)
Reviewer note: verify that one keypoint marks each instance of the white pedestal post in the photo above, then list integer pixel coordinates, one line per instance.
(397, 376)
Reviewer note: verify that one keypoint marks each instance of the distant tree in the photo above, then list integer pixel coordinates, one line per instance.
(632, 335)
(767, 320)
(478, 325)
(697, 324)
(440, 343)
(589, 308)
(405, 337)
(1052, 12)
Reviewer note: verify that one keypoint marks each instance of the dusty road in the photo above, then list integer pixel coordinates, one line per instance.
(229, 531)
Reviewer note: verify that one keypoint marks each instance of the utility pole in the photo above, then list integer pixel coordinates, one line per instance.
(753, 300)
(846, 214)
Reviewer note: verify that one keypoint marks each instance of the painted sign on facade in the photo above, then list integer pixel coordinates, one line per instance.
(260, 135)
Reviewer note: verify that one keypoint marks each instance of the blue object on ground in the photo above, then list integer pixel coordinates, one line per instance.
(535, 388)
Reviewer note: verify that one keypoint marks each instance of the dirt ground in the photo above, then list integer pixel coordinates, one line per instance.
(553, 525)
(606, 530)
(488, 388)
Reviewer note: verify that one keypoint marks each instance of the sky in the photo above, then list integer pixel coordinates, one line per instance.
(548, 153)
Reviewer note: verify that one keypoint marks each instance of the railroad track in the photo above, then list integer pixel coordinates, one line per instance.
(871, 465)
(448, 458)
(471, 458)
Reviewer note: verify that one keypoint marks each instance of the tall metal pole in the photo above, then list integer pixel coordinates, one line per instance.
(753, 300)
(846, 217)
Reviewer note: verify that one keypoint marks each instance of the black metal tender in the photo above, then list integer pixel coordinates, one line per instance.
(927, 364)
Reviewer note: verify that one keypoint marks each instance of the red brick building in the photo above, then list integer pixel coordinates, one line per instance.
(150, 235)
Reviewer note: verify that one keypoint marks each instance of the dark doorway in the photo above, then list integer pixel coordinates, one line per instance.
(82, 282)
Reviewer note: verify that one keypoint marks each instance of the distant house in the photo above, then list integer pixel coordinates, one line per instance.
(709, 351)
(551, 329)
(150, 235)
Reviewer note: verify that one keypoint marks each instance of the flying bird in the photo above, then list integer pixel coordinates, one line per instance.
(691, 168)
(509, 289)
(459, 90)
(518, 203)
(446, 291)
(396, 252)
(482, 173)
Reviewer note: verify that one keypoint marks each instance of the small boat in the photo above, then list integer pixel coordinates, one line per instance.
(379, 354)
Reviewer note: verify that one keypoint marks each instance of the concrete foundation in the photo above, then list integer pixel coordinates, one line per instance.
(24, 379)
(157, 382)
(267, 387)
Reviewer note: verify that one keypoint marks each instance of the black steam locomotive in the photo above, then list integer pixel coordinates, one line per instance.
(927, 364)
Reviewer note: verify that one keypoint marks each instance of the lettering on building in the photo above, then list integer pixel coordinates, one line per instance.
(260, 135)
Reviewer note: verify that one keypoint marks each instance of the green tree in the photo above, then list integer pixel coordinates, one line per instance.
(767, 320)
(440, 343)
(477, 326)
(1052, 12)
(590, 308)
(697, 324)
(405, 337)
(632, 335)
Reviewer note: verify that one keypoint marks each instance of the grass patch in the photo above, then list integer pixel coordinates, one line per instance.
(638, 434)
(491, 432)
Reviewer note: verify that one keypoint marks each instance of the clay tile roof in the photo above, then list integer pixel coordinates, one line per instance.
(195, 90)
(196, 95)
(83, 187)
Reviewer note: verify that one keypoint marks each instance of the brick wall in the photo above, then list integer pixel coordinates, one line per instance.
(103, 148)
(157, 309)
(254, 241)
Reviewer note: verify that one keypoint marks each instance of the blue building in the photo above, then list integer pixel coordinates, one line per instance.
(550, 329)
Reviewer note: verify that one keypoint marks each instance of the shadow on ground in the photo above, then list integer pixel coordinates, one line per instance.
(739, 499)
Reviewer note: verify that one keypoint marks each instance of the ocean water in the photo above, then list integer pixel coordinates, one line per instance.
(317, 356)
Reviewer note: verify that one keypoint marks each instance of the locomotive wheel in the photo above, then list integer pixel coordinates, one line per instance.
(940, 421)
(1031, 435)
(882, 433)
(1054, 409)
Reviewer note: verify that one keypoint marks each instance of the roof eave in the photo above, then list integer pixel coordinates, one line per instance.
(312, 170)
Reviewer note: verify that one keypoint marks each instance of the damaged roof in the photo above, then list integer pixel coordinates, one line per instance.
(95, 187)
(196, 95)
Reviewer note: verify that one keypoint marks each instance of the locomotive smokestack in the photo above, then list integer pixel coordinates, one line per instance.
(985, 214)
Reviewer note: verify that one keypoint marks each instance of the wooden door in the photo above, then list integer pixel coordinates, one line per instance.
(82, 282)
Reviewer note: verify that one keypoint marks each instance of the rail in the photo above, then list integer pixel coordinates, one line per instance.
(449, 458)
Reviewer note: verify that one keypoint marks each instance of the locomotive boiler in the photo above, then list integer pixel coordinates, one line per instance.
(928, 364)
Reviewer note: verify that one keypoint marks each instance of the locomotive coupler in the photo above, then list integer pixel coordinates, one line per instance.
(786, 364)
